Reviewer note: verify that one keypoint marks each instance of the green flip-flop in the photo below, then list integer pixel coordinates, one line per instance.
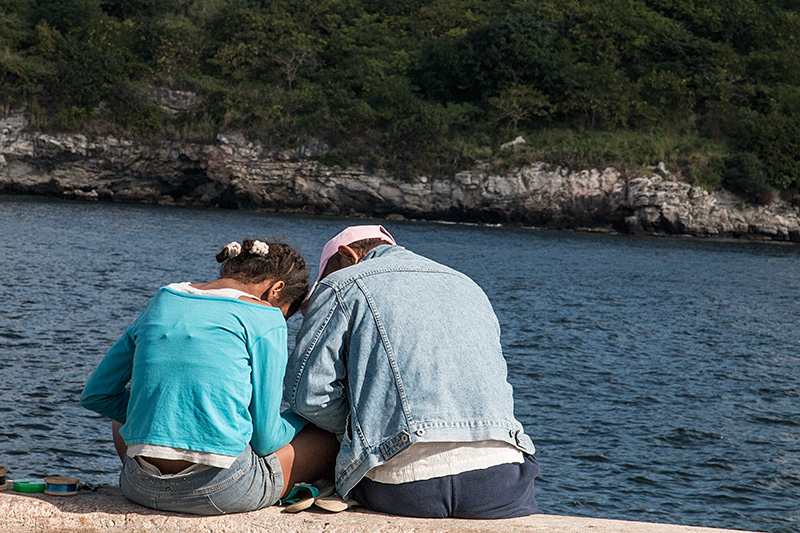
(300, 491)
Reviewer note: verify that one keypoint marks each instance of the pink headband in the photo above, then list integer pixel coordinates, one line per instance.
(346, 237)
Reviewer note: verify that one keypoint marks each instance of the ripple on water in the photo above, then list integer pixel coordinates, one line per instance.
(658, 378)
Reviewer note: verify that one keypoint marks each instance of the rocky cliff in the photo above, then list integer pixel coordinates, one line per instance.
(234, 173)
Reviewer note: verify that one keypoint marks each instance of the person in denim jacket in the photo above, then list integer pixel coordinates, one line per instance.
(400, 357)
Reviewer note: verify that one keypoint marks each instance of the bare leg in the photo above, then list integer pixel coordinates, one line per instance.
(119, 444)
(309, 457)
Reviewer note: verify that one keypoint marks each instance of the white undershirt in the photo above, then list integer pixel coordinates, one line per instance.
(427, 460)
(180, 454)
(186, 286)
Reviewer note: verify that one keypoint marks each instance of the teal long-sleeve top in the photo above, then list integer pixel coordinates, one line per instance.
(205, 372)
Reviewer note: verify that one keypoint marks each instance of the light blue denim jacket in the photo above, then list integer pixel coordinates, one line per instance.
(399, 349)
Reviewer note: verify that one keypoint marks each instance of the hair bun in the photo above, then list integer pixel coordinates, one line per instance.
(230, 251)
(259, 248)
(233, 249)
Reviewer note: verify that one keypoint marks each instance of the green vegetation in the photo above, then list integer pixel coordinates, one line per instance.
(711, 88)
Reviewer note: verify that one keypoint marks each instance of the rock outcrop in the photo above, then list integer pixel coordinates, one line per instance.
(235, 173)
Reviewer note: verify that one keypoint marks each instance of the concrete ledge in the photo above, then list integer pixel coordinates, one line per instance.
(107, 510)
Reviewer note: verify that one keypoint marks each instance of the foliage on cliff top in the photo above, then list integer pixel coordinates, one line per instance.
(430, 86)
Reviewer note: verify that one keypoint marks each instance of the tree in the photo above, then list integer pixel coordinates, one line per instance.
(668, 93)
(518, 102)
(778, 146)
(92, 64)
(472, 68)
(66, 15)
(294, 54)
(602, 94)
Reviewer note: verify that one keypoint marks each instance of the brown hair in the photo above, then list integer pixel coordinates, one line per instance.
(281, 263)
(363, 247)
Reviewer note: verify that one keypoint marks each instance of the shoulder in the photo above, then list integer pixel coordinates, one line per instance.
(389, 258)
(244, 309)
(393, 269)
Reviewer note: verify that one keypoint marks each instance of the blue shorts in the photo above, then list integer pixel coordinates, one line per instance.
(250, 483)
(502, 491)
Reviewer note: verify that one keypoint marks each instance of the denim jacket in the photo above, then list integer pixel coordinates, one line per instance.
(399, 349)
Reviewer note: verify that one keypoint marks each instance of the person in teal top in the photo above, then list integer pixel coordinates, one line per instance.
(200, 429)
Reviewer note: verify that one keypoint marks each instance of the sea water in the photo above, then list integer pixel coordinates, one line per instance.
(659, 378)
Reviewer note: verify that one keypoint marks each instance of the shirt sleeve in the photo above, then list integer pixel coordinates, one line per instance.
(105, 391)
(272, 430)
(315, 385)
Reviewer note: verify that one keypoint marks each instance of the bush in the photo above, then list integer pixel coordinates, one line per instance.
(66, 15)
(745, 176)
(778, 144)
(333, 159)
(516, 50)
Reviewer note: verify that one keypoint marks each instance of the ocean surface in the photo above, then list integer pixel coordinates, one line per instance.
(658, 377)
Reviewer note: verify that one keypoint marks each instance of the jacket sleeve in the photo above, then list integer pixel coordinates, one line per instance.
(271, 429)
(315, 385)
(105, 391)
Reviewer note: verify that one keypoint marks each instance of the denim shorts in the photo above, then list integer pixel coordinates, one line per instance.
(502, 491)
(250, 483)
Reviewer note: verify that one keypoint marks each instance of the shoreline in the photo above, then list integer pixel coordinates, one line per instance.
(679, 237)
(236, 174)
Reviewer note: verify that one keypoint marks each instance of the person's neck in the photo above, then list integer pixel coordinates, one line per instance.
(228, 283)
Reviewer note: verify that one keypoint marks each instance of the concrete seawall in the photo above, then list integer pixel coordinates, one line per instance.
(107, 510)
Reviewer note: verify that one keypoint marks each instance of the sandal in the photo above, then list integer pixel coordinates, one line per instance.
(303, 495)
(335, 504)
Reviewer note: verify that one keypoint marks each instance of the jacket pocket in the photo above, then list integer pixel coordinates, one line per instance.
(395, 445)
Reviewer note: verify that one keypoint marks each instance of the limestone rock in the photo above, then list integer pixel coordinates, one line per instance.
(237, 173)
(174, 102)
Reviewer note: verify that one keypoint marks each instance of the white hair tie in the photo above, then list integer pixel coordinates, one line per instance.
(233, 249)
(259, 248)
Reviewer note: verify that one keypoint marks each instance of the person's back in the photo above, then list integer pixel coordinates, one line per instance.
(192, 371)
(424, 327)
(200, 429)
(419, 347)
